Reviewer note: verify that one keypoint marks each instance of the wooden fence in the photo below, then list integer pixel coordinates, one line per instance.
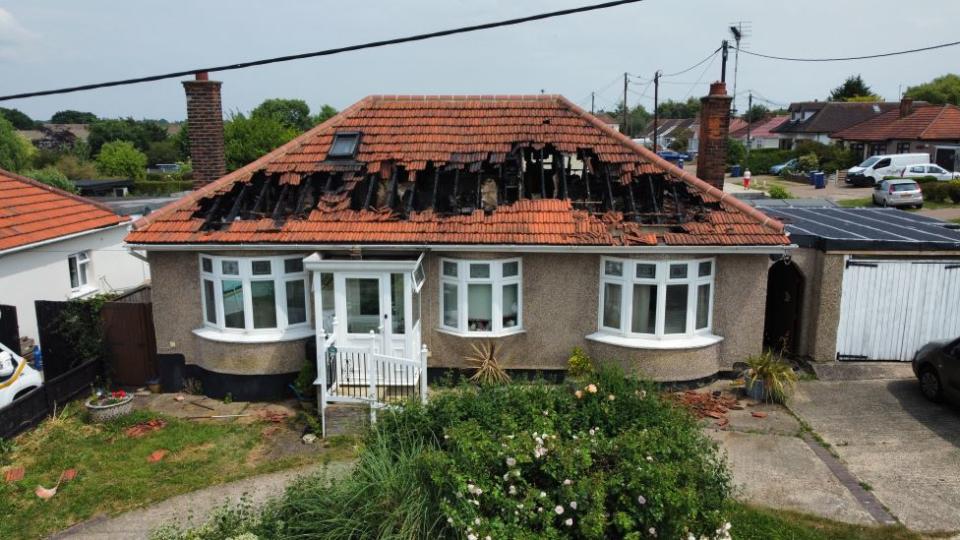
(30, 409)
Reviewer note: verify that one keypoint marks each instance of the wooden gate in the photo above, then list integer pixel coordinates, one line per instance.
(130, 342)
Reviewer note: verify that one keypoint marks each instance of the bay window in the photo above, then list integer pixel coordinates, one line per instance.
(655, 300)
(480, 297)
(265, 296)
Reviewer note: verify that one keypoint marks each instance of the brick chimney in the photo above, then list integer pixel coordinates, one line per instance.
(714, 130)
(906, 106)
(205, 125)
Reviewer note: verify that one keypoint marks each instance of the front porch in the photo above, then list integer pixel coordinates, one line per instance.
(369, 344)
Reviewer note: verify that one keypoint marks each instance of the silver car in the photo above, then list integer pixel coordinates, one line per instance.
(898, 193)
(929, 169)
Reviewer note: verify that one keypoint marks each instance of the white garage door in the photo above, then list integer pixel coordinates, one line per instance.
(889, 309)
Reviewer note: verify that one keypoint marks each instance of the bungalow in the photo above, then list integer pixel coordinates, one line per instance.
(414, 223)
(760, 132)
(912, 128)
(819, 120)
(56, 246)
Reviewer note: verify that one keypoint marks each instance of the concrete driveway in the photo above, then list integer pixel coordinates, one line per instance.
(904, 447)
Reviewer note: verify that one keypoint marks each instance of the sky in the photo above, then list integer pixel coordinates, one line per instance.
(55, 43)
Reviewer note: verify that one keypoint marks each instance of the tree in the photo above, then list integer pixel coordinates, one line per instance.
(122, 159)
(756, 113)
(736, 152)
(17, 118)
(52, 177)
(167, 151)
(326, 112)
(291, 113)
(637, 120)
(680, 109)
(73, 117)
(76, 168)
(248, 138)
(140, 132)
(853, 89)
(15, 150)
(940, 91)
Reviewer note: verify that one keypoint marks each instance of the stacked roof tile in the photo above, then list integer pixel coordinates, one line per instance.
(417, 132)
(32, 212)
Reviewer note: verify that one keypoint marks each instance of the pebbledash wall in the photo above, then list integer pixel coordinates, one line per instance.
(560, 295)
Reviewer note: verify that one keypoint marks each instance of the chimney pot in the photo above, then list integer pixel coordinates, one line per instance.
(202, 76)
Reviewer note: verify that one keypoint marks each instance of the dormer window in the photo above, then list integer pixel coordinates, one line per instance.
(344, 145)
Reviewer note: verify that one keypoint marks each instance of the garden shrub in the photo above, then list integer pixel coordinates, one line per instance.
(762, 159)
(953, 191)
(779, 192)
(808, 162)
(579, 363)
(935, 192)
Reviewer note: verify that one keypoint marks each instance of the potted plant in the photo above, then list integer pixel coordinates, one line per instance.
(105, 406)
(769, 378)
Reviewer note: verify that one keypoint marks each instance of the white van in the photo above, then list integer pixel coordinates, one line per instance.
(873, 170)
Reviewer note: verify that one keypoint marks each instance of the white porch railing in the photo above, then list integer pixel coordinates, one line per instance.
(365, 375)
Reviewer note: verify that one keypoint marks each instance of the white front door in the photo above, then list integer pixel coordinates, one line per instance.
(373, 301)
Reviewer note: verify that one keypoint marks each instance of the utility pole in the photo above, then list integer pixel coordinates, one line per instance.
(739, 30)
(723, 65)
(656, 106)
(625, 109)
(749, 106)
(592, 101)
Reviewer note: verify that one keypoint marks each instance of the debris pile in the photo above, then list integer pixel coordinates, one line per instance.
(713, 405)
(141, 429)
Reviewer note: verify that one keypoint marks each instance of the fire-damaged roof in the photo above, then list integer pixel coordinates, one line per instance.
(534, 170)
(32, 212)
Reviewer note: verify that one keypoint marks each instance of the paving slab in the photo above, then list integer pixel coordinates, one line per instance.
(906, 449)
(856, 371)
(782, 472)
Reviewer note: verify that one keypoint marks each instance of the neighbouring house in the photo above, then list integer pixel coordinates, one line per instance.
(609, 121)
(865, 283)
(819, 120)
(911, 128)
(671, 129)
(56, 136)
(761, 132)
(56, 246)
(446, 221)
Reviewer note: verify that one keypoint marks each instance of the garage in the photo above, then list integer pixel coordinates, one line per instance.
(891, 308)
(865, 284)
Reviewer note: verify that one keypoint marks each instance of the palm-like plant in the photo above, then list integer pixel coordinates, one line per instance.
(484, 359)
(775, 375)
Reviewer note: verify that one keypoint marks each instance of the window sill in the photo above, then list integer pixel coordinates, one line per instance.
(688, 342)
(502, 333)
(86, 290)
(212, 334)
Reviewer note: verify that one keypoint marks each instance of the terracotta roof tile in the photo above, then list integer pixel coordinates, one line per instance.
(31, 212)
(925, 122)
(463, 132)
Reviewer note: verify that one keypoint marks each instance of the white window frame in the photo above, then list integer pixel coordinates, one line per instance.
(81, 262)
(283, 331)
(623, 335)
(497, 282)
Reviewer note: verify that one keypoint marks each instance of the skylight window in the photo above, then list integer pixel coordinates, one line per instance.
(344, 145)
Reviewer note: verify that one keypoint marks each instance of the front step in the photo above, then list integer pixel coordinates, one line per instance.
(347, 418)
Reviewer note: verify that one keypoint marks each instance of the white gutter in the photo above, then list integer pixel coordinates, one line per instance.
(62, 238)
(511, 248)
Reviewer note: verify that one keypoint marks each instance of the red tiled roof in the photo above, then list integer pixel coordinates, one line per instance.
(924, 123)
(415, 132)
(761, 129)
(32, 212)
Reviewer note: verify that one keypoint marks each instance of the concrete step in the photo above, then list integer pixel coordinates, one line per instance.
(861, 371)
(347, 419)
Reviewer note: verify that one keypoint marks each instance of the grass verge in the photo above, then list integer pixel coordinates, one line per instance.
(113, 472)
(754, 523)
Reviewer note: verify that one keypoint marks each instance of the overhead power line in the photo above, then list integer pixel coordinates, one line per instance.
(327, 52)
(698, 64)
(847, 58)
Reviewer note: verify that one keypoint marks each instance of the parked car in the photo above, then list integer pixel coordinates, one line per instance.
(16, 376)
(937, 367)
(786, 166)
(898, 193)
(930, 169)
(874, 168)
(673, 157)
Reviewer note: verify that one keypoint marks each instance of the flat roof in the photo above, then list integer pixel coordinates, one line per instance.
(825, 226)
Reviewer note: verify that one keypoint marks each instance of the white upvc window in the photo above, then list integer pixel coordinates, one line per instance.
(481, 297)
(79, 268)
(656, 300)
(256, 296)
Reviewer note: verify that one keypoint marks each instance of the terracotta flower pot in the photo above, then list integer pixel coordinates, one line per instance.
(102, 413)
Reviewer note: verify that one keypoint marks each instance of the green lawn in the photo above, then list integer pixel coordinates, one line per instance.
(113, 472)
(856, 203)
(753, 523)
